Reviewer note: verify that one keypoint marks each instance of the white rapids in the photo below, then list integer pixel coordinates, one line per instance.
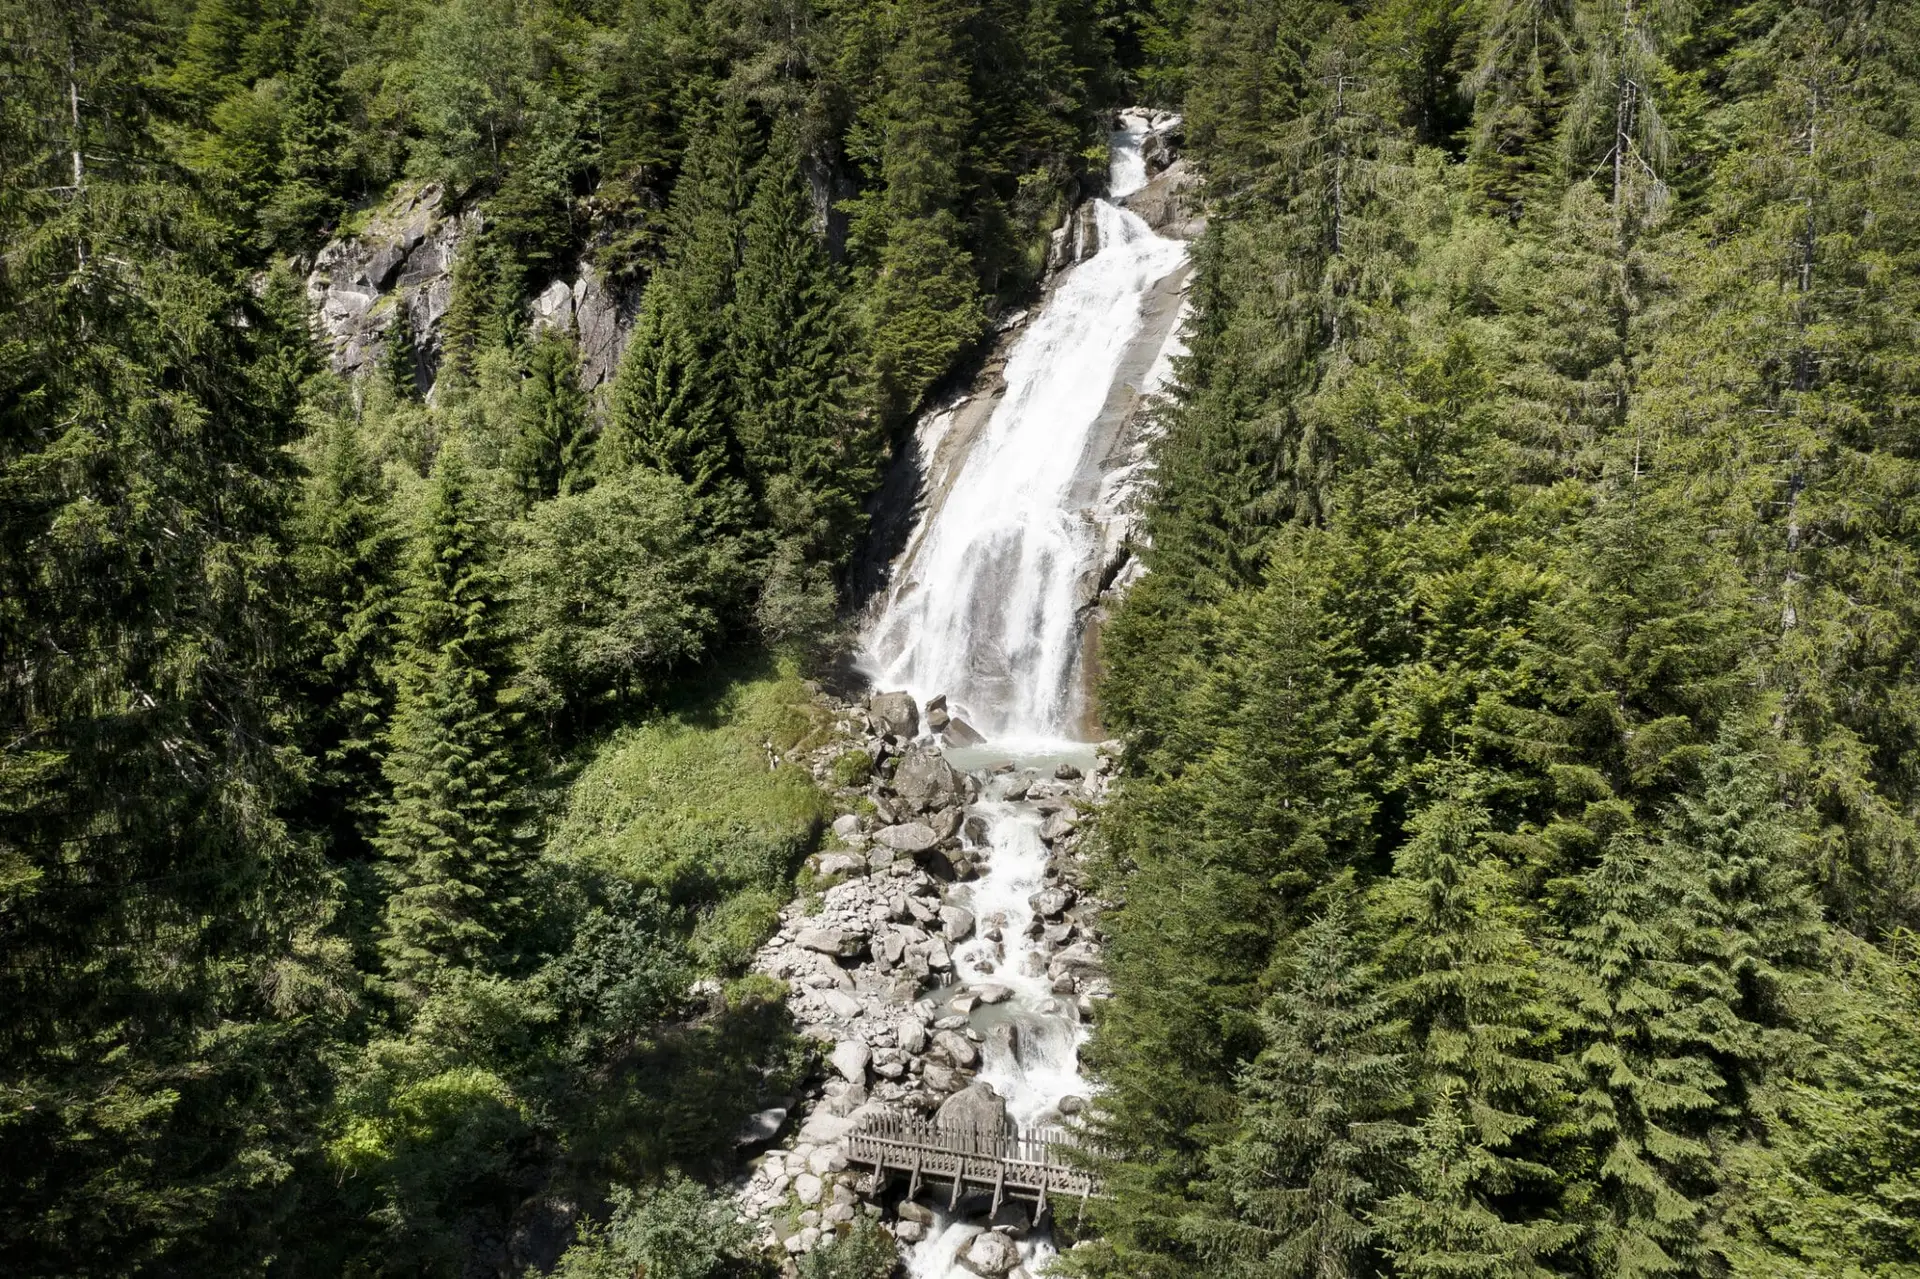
(987, 607)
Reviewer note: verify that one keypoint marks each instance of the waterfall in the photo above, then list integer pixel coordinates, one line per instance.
(986, 605)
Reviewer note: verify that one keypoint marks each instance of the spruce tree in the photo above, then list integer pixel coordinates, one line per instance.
(553, 452)
(451, 853)
(483, 310)
(1465, 980)
(788, 350)
(923, 304)
(1319, 1145)
(347, 554)
(399, 358)
(1447, 1225)
(671, 399)
(1519, 87)
(1647, 1091)
(1747, 931)
(315, 146)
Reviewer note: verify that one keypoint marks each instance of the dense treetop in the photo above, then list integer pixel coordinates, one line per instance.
(1515, 862)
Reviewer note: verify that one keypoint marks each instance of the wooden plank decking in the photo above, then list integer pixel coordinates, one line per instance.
(1034, 1164)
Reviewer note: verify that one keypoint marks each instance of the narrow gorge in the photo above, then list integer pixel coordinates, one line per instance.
(952, 967)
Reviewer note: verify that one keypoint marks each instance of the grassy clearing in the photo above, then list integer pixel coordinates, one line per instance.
(688, 805)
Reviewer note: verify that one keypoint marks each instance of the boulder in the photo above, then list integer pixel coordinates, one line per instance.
(960, 733)
(1074, 960)
(1012, 1218)
(839, 1003)
(807, 1188)
(926, 781)
(937, 719)
(956, 923)
(1007, 1036)
(1059, 825)
(992, 1254)
(1050, 903)
(975, 829)
(850, 1058)
(909, 1231)
(958, 1048)
(761, 1126)
(976, 1108)
(832, 864)
(993, 993)
(1068, 773)
(911, 1035)
(917, 1213)
(831, 941)
(941, 867)
(894, 715)
(846, 825)
(1071, 1105)
(909, 837)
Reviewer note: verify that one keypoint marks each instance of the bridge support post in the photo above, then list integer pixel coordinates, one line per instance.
(959, 1179)
(999, 1188)
(913, 1183)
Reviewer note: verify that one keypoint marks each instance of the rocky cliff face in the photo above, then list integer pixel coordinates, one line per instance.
(403, 257)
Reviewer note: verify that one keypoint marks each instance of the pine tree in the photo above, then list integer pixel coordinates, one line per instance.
(347, 554)
(1318, 1146)
(448, 839)
(1648, 1093)
(788, 350)
(923, 304)
(553, 453)
(1465, 980)
(315, 146)
(399, 359)
(670, 401)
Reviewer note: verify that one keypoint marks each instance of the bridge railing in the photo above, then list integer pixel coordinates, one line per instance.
(1040, 1163)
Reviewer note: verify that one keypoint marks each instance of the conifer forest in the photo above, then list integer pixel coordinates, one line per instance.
(450, 450)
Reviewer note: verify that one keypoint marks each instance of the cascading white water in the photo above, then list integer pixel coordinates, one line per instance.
(986, 605)
(987, 609)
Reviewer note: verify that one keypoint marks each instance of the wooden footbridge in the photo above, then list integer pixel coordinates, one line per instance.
(1036, 1164)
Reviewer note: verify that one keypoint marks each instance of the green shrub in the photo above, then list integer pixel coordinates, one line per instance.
(864, 1252)
(853, 768)
(676, 1230)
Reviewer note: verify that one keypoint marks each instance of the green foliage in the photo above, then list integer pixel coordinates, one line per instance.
(852, 768)
(865, 1251)
(616, 590)
(448, 837)
(468, 88)
(694, 809)
(676, 1230)
(554, 453)
(1529, 402)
